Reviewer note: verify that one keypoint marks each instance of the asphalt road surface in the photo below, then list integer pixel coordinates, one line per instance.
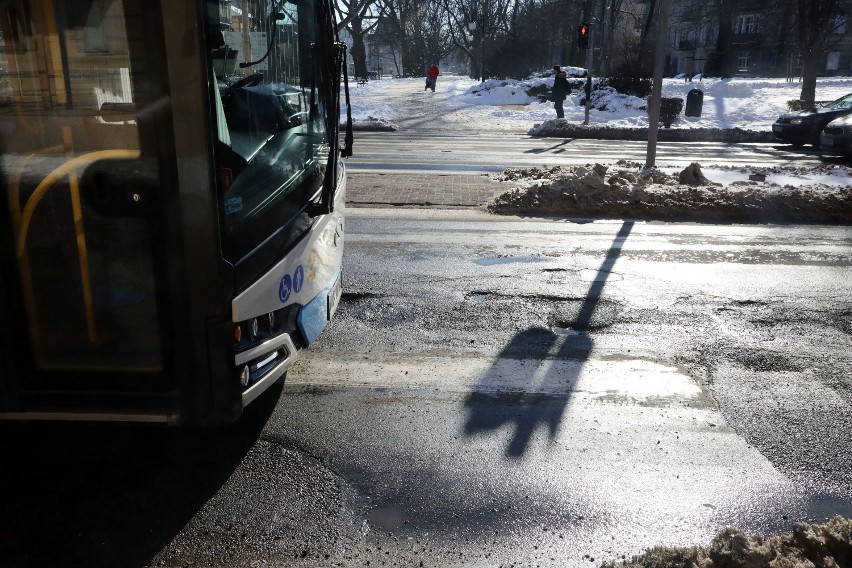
(477, 152)
(492, 390)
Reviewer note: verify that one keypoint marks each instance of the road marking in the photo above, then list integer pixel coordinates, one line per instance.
(614, 377)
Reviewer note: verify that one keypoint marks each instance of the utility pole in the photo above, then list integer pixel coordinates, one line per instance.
(589, 57)
(657, 90)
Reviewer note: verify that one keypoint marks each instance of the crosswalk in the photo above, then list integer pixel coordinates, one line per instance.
(471, 152)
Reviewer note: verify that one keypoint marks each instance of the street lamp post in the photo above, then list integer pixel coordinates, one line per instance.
(472, 27)
(482, 54)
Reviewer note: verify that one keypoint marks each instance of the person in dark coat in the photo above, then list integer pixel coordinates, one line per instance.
(561, 89)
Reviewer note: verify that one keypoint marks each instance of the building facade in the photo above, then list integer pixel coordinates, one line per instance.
(762, 39)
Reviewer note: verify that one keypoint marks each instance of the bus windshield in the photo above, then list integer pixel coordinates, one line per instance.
(272, 138)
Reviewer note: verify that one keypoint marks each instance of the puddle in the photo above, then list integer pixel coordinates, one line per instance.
(564, 331)
(492, 260)
(386, 518)
(599, 276)
(478, 298)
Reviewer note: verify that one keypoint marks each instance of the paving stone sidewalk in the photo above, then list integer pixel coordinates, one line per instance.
(448, 190)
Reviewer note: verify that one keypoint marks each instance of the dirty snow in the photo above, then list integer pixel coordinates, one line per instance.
(627, 190)
(812, 195)
(827, 545)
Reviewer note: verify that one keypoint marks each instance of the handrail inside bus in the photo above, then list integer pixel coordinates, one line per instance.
(68, 167)
(22, 220)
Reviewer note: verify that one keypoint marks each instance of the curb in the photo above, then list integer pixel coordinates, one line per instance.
(579, 131)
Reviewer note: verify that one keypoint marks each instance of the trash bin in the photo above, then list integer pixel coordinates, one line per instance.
(694, 102)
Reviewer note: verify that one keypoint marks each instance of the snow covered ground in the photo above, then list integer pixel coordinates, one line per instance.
(461, 103)
(820, 194)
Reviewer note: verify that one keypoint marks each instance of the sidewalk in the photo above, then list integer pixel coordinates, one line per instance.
(442, 189)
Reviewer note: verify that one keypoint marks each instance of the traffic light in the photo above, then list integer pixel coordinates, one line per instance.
(583, 36)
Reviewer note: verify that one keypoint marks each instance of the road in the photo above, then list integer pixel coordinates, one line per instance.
(478, 152)
(493, 390)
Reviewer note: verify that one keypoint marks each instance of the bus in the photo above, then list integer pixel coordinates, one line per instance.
(172, 203)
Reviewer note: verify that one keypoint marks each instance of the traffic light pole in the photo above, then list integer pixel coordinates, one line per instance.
(589, 56)
(657, 90)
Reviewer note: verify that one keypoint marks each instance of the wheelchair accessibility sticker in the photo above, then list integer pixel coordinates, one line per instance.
(298, 279)
(291, 284)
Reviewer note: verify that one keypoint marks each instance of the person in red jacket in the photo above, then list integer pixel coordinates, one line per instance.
(431, 77)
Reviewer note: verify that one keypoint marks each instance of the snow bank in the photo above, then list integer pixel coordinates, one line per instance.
(512, 105)
(371, 124)
(499, 92)
(828, 545)
(629, 191)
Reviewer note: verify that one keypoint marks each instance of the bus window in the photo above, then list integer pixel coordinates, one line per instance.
(272, 145)
(81, 175)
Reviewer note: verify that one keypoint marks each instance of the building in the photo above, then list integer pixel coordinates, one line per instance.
(762, 41)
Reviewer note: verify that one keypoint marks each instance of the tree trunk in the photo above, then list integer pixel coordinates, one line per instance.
(811, 61)
(359, 52)
(728, 57)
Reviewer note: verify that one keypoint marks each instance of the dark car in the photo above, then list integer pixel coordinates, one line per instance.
(836, 137)
(805, 126)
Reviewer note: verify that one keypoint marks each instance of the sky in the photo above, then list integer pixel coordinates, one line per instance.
(751, 104)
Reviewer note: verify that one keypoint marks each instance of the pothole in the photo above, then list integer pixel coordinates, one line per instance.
(357, 296)
(599, 276)
(565, 331)
(506, 259)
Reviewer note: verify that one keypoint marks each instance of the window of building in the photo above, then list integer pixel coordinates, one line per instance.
(742, 61)
(838, 24)
(746, 24)
(832, 61)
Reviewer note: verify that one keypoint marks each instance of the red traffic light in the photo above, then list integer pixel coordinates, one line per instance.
(583, 36)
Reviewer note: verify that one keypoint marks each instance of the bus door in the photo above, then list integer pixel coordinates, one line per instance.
(82, 117)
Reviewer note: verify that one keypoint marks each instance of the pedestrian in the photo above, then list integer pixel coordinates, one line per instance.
(431, 77)
(561, 89)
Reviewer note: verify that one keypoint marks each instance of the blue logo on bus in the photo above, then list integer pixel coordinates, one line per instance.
(284, 288)
(298, 279)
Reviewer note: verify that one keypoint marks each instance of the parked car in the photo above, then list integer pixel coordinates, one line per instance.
(805, 126)
(836, 137)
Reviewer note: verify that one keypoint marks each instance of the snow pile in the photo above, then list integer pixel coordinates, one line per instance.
(630, 191)
(809, 546)
(372, 124)
(498, 92)
(730, 89)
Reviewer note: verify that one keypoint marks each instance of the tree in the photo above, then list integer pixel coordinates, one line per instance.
(484, 44)
(358, 18)
(820, 24)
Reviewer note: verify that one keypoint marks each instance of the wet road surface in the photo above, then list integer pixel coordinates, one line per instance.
(492, 390)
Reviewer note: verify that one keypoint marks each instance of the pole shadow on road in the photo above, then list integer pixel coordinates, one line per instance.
(556, 148)
(547, 386)
(100, 495)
